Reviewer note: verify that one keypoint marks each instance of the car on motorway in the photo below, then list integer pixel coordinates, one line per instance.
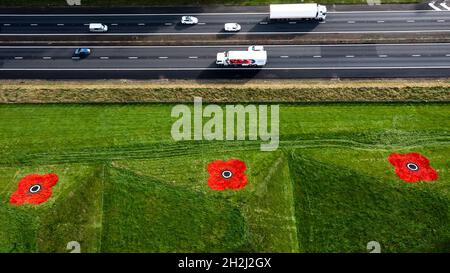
(256, 48)
(189, 20)
(232, 27)
(82, 52)
(97, 27)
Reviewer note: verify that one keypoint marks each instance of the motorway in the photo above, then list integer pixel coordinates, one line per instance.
(284, 61)
(212, 23)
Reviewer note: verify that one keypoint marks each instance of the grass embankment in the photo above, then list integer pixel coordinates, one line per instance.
(125, 185)
(229, 91)
(137, 3)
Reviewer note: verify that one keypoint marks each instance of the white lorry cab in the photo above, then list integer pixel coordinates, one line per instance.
(298, 12)
(97, 27)
(255, 56)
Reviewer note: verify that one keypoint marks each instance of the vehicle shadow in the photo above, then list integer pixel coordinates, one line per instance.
(290, 26)
(220, 72)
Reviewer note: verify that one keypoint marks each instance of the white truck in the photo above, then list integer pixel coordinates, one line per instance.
(254, 56)
(298, 12)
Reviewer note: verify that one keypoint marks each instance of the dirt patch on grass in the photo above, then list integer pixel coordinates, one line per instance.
(126, 91)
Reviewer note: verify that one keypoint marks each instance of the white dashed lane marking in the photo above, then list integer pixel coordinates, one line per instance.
(317, 56)
(163, 57)
(349, 56)
(416, 55)
(382, 56)
(104, 58)
(193, 57)
(132, 57)
(18, 58)
(47, 58)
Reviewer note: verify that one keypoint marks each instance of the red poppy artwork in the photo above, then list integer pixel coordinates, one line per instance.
(413, 167)
(34, 189)
(227, 174)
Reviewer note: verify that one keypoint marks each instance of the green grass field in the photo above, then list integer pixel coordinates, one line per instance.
(116, 3)
(126, 186)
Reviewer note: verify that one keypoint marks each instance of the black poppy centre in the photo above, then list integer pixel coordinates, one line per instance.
(227, 174)
(412, 166)
(35, 188)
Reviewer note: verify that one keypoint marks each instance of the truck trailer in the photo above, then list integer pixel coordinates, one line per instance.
(298, 12)
(254, 56)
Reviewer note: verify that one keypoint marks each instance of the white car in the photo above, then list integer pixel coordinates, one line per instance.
(189, 20)
(97, 27)
(233, 27)
(256, 48)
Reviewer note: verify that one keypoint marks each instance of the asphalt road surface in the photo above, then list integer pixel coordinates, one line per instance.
(212, 23)
(192, 62)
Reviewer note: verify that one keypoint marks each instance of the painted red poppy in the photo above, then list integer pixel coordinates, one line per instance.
(227, 175)
(413, 167)
(34, 189)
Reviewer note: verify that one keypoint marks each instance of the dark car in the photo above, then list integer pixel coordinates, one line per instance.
(82, 52)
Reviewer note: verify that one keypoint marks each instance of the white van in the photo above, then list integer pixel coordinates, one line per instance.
(97, 27)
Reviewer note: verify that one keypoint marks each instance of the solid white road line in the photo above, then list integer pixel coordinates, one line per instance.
(207, 13)
(227, 68)
(226, 33)
(236, 46)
